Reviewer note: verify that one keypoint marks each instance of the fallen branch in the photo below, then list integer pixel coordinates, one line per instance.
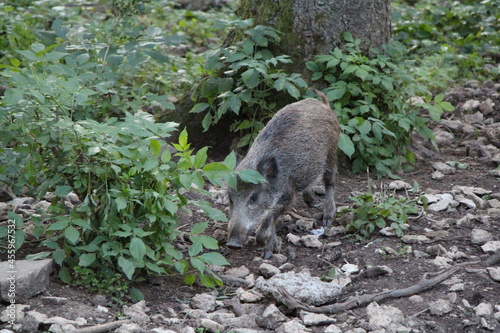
(354, 302)
(103, 327)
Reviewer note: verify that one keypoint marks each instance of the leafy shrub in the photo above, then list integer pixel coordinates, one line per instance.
(245, 76)
(372, 211)
(131, 187)
(463, 34)
(371, 96)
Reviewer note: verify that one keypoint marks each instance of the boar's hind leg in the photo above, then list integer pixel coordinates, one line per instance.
(329, 210)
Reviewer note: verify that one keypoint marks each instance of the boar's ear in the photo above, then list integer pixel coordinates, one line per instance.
(268, 167)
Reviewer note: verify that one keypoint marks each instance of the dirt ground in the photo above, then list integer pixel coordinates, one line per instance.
(170, 292)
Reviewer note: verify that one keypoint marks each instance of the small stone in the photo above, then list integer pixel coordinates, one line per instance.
(42, 205)
(211, 325)
(274, 314)
(102, 309)
(332, 329)
(381, 317)
(491, 247)
(446, 200)
(415, 299)
(437, 175)
(54, 300)
(311, 241)
(294, 239)
(305, 224)
(483, 310)
(251, 297)
(286, 267)
(372, 271)
(240, 272)
(486, 107)
(494, 273)
(443, 137)
(458, 287)
(268, 270)
(480, 237)
(440, 307)
(128, 328)
(316, 319)
(470, 105)
(350, 268)
(492, 203)
(13, 312)
(415, 239)
(399, 185)
(334, 231)
(279, 258)
(137, 312)
(444, 168)
(292, 326)
(442, 261)
(205, 302)
(474, 118)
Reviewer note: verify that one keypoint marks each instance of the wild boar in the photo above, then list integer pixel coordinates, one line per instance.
(296, 147)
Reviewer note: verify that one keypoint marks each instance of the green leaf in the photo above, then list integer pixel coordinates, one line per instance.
(59, 256)
(182, 266)
(346, 144)
(127, 267)
(230, 160)
(87, 259)
(189, 279)
(65, 275)
(251, 78)
(198, 228)
(336, 94)
(71, 234)
(137, 248)
(155, 147)
(62, 191)
(200, 158)
(136, 294)
(214, 258)
(199, 107)
(251, 176)
(38, 256)
(121, 203)
(196, 247)
(207, 281)
(183, 137)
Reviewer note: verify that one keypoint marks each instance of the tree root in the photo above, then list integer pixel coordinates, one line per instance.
(108, 327)
(354, 302)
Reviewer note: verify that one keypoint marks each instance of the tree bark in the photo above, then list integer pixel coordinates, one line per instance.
(309, 27)
(312, 27)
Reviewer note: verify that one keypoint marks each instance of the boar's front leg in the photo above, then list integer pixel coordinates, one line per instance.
(329, 210)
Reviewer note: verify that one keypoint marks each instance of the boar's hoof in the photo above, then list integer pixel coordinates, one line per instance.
(267, 254)
(232, 244)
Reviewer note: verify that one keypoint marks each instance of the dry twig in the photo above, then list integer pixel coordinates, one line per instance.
(108, 327)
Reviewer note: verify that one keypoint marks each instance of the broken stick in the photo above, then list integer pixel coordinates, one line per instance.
(354, 302)
(108, 327)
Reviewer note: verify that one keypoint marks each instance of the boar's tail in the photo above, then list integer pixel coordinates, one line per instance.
(323, 97)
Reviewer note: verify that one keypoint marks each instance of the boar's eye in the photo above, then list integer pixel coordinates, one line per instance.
(254, 198)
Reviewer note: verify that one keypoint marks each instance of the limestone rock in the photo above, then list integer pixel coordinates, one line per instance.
(440, 307)
(205, 302)
(381, 317)
(480, 236)
(304, 287)
(316, 319)
(311, 241)
(268, 270)
(31, 278)
(494, 273)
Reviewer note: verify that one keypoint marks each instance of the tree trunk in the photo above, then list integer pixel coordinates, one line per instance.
(312, 27)
(309, 27)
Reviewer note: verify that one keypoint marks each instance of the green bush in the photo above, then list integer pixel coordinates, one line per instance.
(246, 80)
(376, 211)
(371, 96)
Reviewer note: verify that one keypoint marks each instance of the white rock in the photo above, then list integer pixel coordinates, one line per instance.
(13, 312)
(381, 317)
(415, 239)
(102, 309)
(316, 319)
(274, 314)
(211, 325)
(294, 239)
(307, 224)
(67, 328)
(268, 270)
(467, 202)
(483, 310)
(437, 175)
(137, 312)
(491, 247)
(161, 330)
(205, 302)
(442, 261)
(446, 200)
(415, 299)
(470, 105)
(292, 326)
(304, 287)
(458, 287)
(129, 328)
(444, 168)
(240, 272)
(399, 185)
(480, 236)
(311, 241)
(494, 273)
(251, 296)
(332, 329)
(350, 268)
(493, 203)
(440, 307)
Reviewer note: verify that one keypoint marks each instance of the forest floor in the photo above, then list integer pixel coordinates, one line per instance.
(447, 232)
